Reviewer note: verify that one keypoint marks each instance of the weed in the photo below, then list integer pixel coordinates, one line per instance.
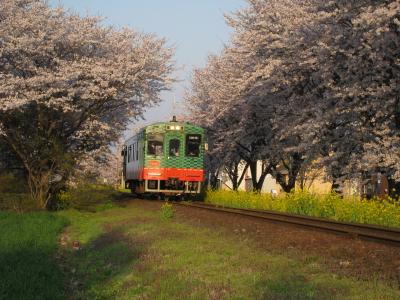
(167, 211)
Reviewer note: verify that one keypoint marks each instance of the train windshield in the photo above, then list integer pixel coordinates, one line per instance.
(174, 147)
(155, 144)
(193, 142)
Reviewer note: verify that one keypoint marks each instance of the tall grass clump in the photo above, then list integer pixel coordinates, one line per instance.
(167, 211)
(331, 206)
(89, 197)
(28, 244)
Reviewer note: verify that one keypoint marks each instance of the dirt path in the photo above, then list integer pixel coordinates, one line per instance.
(341, 255)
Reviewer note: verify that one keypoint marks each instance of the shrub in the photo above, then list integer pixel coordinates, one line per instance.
(88, 197)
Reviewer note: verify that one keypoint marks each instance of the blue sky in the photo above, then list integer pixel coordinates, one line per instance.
(195, 27)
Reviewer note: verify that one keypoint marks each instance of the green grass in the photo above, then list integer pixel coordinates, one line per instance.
(132, 253)
(376, 211)
(28, 244)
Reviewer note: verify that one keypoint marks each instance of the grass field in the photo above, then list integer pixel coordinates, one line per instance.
(134, 253)
(28, 245)
(331, 206)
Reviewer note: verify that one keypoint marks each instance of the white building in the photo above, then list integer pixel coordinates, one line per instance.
(270, 185)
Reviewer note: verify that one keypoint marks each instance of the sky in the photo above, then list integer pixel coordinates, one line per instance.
(196, 28)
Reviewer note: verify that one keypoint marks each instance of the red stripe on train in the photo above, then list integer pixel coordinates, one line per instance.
(167, 173)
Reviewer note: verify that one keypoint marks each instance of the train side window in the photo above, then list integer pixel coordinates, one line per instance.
(193, 142)
(137, 150)
(125, 153)
(155, 144)
(174, 147)
(133, 152)
(129, 153)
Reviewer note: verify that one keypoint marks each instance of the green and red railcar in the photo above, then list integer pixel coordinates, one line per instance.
(166, 159)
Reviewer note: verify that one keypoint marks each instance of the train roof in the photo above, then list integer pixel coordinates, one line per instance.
(164, 126)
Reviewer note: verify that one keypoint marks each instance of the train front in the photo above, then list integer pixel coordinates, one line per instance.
(174, 158)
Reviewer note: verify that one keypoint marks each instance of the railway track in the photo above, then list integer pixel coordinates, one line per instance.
(363, 231)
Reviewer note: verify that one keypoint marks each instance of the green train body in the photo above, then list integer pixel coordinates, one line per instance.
(165, 158)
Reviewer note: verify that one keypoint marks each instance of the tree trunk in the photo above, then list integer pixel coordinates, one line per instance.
(337, 183)
(282, 182)
(253, 172)
(235, 185)
(259, 182)
(336, 187)
(290, 185)
(235, 176)
(214, 179)
(233, 172)
(293, 167)
(39, 186)
(243, 174)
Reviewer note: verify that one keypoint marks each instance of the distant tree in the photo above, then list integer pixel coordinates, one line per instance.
(70, 86)
(100, 166)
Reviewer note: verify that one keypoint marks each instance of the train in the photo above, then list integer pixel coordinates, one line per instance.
(165, 159)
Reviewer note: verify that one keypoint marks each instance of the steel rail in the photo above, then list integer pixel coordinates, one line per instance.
(364, 231)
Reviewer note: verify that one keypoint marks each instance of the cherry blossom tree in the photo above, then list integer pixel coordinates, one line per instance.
(70, 86)
(254, 92)
(351, 105)
(304, 80)
(367, 83)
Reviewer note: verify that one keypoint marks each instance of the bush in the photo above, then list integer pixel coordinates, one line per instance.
(332, 206)
(88, 197)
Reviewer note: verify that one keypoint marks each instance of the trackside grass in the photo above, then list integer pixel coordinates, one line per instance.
(331, 206)
(134, 252)
(28, 244)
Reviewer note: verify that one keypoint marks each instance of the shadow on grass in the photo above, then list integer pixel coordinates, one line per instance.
(28, 245)
(30, 274)
(32, 268)
(98, 270)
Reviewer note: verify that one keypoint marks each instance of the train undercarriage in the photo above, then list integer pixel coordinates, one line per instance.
(171, 187)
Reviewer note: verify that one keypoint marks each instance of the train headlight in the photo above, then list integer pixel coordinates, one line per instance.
(175, 127)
